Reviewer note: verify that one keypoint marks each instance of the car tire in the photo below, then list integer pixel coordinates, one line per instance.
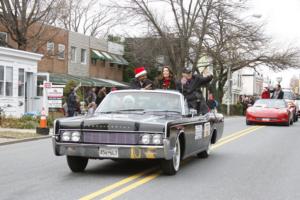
(248, 122)
(77, 164)
(295, 118)
(171, 167)
(206, 153)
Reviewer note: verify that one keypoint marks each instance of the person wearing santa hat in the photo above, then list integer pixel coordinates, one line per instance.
(140, 81)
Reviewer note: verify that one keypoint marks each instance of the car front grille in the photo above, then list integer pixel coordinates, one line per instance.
(110, 138)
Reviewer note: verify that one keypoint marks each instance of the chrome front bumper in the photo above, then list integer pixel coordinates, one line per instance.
(124, 151)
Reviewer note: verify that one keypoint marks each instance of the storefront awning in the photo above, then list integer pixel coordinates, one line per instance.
(102, 55)
(125, 62)
(63, 79)
(107, 55)
(116, 60)
(97, 55)
(114, 83)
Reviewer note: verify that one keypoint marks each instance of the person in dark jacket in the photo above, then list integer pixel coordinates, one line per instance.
(140, 81)
(190, 87)
(166, 80)
(277, 93)
(72, 103)
(101, 94)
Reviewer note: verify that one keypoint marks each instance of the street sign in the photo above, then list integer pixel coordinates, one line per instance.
(55, 96)
(47, 84)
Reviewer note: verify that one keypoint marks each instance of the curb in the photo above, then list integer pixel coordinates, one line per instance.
(25, 140)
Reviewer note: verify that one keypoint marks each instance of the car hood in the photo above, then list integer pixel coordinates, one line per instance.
(118, 122)
(263, 112)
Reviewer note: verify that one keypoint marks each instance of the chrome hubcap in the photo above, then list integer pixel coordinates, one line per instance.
(176, 156)
(208, 148)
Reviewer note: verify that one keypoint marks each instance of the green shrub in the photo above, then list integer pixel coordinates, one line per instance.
(25, 122)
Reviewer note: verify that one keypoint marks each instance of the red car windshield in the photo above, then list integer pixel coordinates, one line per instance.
(270, 103)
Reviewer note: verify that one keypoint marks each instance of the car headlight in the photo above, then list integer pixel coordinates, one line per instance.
(146, 139)
(156, 139)
(66, 136)
(75, 136)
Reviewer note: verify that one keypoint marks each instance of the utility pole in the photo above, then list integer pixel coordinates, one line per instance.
(229, 88)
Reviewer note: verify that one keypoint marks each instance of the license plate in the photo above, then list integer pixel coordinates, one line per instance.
(266, 119)
(108, 152)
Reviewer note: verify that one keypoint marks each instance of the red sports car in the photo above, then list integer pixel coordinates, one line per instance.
(269, 111)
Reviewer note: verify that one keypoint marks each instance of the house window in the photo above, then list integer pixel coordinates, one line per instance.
(83, 56)
(21, 83)
(40, 81)
(73, 54)
(50, 48)
(61, 51)
(3, 39)
(1, 80)
(9, 81)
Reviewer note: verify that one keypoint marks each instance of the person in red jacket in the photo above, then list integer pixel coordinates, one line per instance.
(266, 93)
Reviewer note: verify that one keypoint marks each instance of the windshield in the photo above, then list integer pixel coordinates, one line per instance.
(270, 103)
(140, 101)
(288, 95)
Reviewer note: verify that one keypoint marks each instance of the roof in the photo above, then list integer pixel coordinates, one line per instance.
(113, 82)
(62, 79)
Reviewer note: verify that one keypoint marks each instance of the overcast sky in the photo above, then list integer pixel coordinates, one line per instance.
(282, 17)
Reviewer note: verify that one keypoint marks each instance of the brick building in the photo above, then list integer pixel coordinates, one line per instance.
(66, 52)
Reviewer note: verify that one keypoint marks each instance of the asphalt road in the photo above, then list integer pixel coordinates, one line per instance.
(251, 162)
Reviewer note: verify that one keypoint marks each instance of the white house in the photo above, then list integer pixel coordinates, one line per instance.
(252, 82)
(18, 79)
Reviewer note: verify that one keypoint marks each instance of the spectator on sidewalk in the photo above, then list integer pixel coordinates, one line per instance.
(101, 94)
(72, 101)
(91, 96)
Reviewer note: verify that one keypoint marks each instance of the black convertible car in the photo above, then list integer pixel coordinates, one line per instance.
(138, 124)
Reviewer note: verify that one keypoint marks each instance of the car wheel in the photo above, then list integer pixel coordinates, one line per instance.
(206, 153)
(77, 164)
(171, 167)
(295, 118)
(248, 122)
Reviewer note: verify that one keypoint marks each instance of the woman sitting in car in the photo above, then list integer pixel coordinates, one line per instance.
(166, 79)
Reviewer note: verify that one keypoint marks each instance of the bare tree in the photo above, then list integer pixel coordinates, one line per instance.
(236, 43)
(177, 33)
(211, 28)
(87, 16)
(18, 17)
(144, 52)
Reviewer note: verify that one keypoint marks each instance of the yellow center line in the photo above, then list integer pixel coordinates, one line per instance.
(156, 173)
(235, 137)
(132, 186)
(117, 184)
(237, 133)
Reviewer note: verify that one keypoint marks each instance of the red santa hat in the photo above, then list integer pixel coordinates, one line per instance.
(140, 71)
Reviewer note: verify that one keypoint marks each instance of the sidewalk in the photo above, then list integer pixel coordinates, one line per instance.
(7, 139)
